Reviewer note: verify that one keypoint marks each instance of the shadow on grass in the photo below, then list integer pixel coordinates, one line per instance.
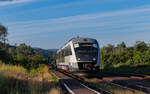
(17, 86)
(145, 69)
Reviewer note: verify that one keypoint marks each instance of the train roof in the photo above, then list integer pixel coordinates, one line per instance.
(80, 40)
(83, 40)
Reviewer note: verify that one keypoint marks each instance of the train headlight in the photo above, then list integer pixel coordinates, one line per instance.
(94, 59)
(78, 58)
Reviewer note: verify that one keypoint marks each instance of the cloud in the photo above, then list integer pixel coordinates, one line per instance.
(124, 25)
(120, 18)
(88, 16)
(11, 2)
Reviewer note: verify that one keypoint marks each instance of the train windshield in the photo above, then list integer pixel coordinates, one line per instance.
(86, 50)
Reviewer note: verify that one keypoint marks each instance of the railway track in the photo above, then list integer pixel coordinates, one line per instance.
(112, 82)
(74, 86)
(117, 88)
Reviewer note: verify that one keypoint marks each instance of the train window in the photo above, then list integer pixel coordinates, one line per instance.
(59, 56)
(86, 50)
(63, 55)
(76, 45)
(69, 50)
(65, 52)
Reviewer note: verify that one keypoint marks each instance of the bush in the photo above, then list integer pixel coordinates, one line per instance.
(40, 70)
(10, 68)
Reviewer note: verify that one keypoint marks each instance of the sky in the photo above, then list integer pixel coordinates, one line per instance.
(50, 24)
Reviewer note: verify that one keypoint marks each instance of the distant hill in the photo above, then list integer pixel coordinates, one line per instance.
(47, 53)
(44, 52)
(52, 50)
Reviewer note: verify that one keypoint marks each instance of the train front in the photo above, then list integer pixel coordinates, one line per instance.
(87, 54)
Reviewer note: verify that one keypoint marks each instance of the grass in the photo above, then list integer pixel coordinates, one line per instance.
(111, 88)
(8, 68)
(17, 80)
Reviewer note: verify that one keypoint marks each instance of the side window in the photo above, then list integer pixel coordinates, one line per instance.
(63, 55)
(69, 50)
(66, 52)
(59, 56)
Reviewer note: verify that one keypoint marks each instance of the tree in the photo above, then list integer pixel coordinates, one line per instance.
(3, 34)
(24, 49)
(11, 51)
(120, 49)
(4, 56)
(140, 46)
(121, 45)
(36, 61)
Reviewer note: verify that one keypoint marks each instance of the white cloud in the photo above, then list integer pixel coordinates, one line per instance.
(11, 2)
(117, 19)
(123, 25)
(86, 17)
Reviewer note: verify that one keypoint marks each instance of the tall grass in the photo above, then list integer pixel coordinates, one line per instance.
(17, 80)
(10, 68)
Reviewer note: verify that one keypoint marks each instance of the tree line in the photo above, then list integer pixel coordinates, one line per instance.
(135, 59)
(22, 55)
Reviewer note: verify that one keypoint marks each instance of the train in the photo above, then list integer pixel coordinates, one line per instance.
(79, 55)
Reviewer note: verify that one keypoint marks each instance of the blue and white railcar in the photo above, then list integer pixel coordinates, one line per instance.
(79, 54)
